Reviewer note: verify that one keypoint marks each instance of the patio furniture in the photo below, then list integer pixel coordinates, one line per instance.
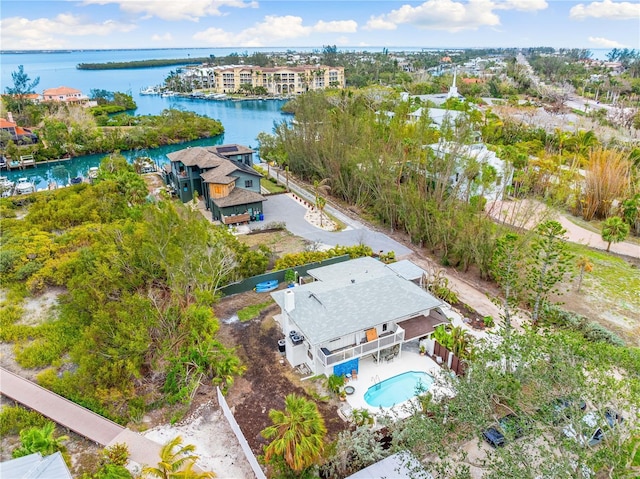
(354, 374)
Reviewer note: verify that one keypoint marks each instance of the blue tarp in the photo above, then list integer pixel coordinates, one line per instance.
(345, 368)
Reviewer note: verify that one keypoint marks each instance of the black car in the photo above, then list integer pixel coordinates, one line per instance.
(510, 426)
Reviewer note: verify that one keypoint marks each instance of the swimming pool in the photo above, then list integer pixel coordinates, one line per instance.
(397, 389)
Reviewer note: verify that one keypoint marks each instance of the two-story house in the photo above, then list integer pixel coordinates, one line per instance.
(222, 176)
(64, 94)
(352, 310)
(19, 135)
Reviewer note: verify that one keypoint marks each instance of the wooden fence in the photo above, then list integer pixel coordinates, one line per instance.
(449, 359)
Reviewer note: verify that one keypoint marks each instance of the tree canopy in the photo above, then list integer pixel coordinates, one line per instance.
(138, 282)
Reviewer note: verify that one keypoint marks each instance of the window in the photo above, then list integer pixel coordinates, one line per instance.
(248, 183)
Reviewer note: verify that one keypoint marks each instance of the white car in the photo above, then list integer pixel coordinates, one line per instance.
(592, 430)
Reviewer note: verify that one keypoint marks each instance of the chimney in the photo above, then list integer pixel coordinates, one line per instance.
(10, 117)
(289, 301)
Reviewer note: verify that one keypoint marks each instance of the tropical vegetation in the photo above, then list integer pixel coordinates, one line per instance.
(134, 328)
(297, 436)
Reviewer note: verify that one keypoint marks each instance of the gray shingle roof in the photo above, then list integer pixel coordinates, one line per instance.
(328, 310)
(221, 174)
(197, 156)
(239, 196)
(407, 269)
(359, 268)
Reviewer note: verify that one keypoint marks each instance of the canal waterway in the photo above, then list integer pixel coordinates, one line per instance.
(242, 120)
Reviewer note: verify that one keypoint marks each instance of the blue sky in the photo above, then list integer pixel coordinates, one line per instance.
(112, 24)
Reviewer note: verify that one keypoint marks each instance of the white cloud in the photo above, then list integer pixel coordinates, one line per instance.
(214, 36)
(342, 26)
(606, 43)
(51, 33)
(273, 30)
(379, 23)
(175, 9)
(167, 37)
(523, 5)
(451, 15)
(606, 9)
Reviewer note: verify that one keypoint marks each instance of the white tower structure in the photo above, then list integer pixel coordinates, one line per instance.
(453, 91)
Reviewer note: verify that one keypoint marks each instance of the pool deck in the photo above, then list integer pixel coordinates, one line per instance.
(371, 373)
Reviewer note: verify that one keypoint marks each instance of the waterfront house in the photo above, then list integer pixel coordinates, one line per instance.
(222, 176)
(19, 135)
(64, 94)
(355, 309)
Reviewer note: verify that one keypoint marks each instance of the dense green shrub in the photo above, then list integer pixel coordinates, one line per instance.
(590, 330)
(14, 419)
(296, 259)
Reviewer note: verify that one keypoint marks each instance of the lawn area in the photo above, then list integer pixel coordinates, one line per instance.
(250, 312)
(610, 293)
(272, 187)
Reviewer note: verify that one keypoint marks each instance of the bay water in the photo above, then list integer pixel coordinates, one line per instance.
(242, 120)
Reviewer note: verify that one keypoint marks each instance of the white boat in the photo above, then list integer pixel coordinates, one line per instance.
(150, 90)
(24, 186)
(144, 164)
(168, 94)
(93, 172)
(6, 186)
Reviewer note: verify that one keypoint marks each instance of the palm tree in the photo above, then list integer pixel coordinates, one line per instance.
(614, 230)
(298, 434)
(321, 188)
(40, 439)
(585, 266)
(176, 462)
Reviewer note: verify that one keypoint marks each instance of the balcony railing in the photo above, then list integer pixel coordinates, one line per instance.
(363, 349)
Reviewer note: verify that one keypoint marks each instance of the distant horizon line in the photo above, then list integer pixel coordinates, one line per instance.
(283, 48)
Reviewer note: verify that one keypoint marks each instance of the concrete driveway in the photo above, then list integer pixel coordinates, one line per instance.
(283, 208)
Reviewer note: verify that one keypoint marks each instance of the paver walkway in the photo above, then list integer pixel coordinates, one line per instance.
(76, 418)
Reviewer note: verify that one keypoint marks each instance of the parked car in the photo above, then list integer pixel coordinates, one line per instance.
(563, 408)
(593, 429)
(510, 426)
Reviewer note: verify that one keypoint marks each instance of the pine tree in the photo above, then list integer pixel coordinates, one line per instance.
(548, 265)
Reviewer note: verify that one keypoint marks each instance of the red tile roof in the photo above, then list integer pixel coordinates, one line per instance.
(62, 90)
(6, 123)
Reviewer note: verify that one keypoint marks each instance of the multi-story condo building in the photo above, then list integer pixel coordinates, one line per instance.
(275, 80)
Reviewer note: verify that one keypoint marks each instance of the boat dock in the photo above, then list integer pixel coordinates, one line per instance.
(27, 161)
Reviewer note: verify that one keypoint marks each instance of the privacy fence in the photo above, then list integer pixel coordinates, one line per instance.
(249, 283)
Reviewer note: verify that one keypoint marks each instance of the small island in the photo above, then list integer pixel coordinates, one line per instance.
(142, 64)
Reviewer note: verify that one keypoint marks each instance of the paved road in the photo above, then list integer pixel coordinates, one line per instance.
(283, 208)
(528, 213)
(286, 209)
